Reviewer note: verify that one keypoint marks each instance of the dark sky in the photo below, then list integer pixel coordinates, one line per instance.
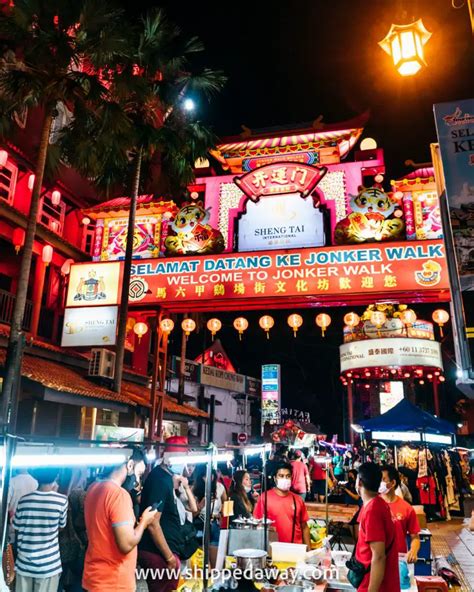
(290, 61)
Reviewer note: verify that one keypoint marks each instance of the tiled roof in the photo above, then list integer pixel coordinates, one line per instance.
(144, 202)
(66, 379)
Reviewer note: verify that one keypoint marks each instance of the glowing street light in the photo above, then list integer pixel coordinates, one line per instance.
(189, 105)
(405, 44)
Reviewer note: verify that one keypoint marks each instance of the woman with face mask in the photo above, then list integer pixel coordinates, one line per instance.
(286, 509)
(241, 495)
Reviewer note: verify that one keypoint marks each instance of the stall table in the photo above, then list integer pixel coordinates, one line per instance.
(342, 513)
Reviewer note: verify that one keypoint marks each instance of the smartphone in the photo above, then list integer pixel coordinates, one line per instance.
(157, 506)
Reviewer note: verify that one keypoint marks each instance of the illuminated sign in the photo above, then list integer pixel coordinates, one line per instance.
(85, 326)
(146, 238)
(391, 393)
(279, 222)
(396, 351)
(94, 284)
(327, 272)
(270, 394)
(283, 177)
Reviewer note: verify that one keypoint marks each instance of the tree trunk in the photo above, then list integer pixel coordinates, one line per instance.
(13, 362)
(127, 268)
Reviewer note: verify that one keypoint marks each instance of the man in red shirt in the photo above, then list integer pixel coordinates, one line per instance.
(285, 508)
(300, 481)
(376, 546)
(318, 476)
(403, 515)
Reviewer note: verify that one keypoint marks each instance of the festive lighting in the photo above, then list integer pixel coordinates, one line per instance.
(407, 375)
(441, 317)
(86, 221)
(323, 320)
(408, 317)
(18, 239)
(229, 199)
(56, 197)
(368, 144)
(140, 329)
(333, 187)
(47, 254)
(441, 378)
(367, 386)
(214, 325)
(351, 319)
(378, 178)
(188, 326)
(3, 157)
(398, 195)
(430, 376)
(241, 324)
(166, 325)
(405, 44)
(31, 182)
(437, 373)
(378, 318)
(266, 323)
(422, 381)
(295, 321)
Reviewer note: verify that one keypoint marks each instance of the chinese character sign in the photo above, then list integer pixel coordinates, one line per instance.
(287, 177)
(146, 238)
(455, 127)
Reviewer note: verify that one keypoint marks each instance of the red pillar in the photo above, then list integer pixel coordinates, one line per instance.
(38, 287)
(436, 395)
(350, 410)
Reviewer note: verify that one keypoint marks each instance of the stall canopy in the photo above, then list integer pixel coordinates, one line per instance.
(406, 418)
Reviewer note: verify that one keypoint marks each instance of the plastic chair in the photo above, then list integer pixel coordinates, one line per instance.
(431, 584)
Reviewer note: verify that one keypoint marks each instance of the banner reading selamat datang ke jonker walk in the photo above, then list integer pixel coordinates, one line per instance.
(455, 127)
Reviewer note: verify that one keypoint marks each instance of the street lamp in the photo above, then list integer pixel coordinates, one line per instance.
(405, 44)
(189, 105)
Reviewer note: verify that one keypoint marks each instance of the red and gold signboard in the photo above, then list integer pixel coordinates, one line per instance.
(284, 177)
(338, 274)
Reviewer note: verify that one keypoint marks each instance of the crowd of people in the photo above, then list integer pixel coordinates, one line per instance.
(91, 534)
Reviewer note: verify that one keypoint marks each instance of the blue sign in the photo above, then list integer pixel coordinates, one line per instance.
(455, 128)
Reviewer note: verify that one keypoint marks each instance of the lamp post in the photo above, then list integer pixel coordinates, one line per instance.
(404, 43)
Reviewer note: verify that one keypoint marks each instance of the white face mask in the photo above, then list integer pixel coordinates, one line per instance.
(283, 484)
(247, 488)
(384, 488)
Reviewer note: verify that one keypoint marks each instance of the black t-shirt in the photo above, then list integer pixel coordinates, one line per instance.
(158, 488)
(239, 508)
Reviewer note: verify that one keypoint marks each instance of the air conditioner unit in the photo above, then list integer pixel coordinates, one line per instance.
(102, 363)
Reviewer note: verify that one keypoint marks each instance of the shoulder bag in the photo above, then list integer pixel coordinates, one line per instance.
(357, 570)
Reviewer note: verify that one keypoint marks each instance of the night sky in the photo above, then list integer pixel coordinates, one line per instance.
(289, 62)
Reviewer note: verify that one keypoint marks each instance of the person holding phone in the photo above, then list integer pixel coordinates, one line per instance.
(112, 531)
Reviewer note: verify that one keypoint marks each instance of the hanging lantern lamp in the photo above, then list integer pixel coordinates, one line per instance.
(188, 326)
(140, 329)
(378, 318)
(18, 239)
(56, 197)
(441, 317)
(3, 157)
(323, 321)
(404, 43)
(31, 181)
(241, 324)
(266, 323)
(295, 321)
(166, 325)
(47, 254)
(351, 319)
(214, 325)
(408, 317)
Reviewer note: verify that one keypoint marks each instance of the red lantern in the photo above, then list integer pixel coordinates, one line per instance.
(18, 239)
(441, 317)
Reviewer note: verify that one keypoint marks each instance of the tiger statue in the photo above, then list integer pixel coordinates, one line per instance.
(375, 216)
(192, 233)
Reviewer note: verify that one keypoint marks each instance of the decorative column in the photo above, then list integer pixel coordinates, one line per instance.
(38, 287)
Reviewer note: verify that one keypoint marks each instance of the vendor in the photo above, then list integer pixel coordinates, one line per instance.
(286, 509)
(242, 496)
(406, 522)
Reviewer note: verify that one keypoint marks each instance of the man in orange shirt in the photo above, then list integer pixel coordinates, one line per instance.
(285, 508)
(403, 515)
(111, 556)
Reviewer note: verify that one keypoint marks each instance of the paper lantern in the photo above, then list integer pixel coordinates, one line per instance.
(31, 182)
(378, 178)
(86, 221)
(241, 324)
(166, 325)
(18, 239)
(441, 317)
(66, 266)
(351, 319)
(140, 329)
(408, 317)
(56, 197)
(368, 144)
(323, 321)
(3, 157)
(405, 44)
(266, 323)
(188, 326)
(378, 318)
(47, 254)
(214, 325)
(295, 321)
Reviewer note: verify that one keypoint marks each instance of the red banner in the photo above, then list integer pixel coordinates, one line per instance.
(344, 272)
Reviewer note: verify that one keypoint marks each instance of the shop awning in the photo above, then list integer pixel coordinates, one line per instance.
(70, 385)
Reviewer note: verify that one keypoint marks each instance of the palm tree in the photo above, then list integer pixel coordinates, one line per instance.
(140, 122)
(46, 43)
